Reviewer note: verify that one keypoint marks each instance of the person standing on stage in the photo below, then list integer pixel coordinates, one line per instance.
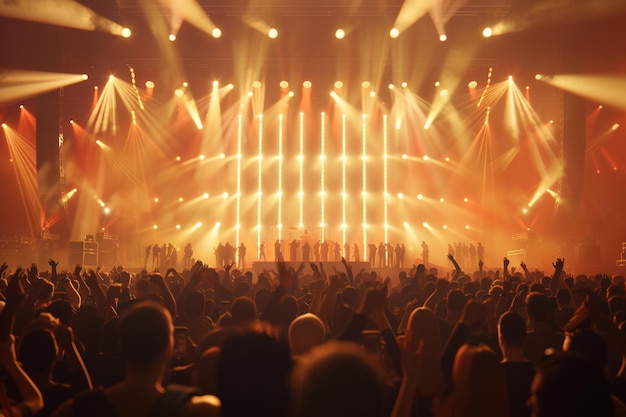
(381, 255)
(316, 251)
(277, 253)
(480, 252)
(188, 253)
(262, 252)
(324, 251)
(372, 254)
(306, 250)
(425, 253)
(242, 256)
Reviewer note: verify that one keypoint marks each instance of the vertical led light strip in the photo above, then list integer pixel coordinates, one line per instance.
(364, 157)
(280, 177)
(385, 178)
(238, 200)
(259, 189)
(344, 194)
(322, 190)
(301, 160)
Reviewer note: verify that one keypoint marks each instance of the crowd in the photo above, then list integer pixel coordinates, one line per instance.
(287, 343)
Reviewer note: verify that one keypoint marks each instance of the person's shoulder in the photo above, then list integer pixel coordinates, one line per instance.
(201, 406)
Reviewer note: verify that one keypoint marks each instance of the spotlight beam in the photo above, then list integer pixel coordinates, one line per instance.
(19, 85)
(68, 13)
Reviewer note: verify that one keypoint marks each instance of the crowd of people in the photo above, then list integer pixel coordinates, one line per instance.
(225, 342)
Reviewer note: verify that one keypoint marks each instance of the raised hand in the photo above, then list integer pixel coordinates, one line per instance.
(558, 265)
(53, 264)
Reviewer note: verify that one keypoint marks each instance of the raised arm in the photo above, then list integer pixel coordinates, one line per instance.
(457, 268)
(168, 299)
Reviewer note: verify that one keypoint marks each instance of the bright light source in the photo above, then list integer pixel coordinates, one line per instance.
(442, 200)
(445, 227)
(154, 226)
(98, 142)
(149, 84)
(394, 33)
(224, 195)
(180, 199)
(307, 84)
(199, 224)
(366, 84)
(126, 33)
(437, 83)
(156, 199)
(447, 159)
(487, 32)
(400, 196)
(84, 77)
(467, 226)
(425, 224)
(272, 33)
(340, 34)
(172, 37)
(391, 86)
(405, 84)
(256, 84)
(404, 156)
(372, 94)
(107, 210)
(338, 84)
(222, 156)
(201, 157)
(111, 77)
(426, 158)
(178, 227)
(284, 84)
(443, 93)
(178, 92)
(216, 33)
(465, 200)
(600, 107)
(538, 76)
(524, 210)
(178, 158)
(510, 78)
(472, 84)
(615, 126)
(205, 195)
(419, 196)
(405, 224)
(185, 84)
(72, 121)
(291, 94)
(443, 37)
